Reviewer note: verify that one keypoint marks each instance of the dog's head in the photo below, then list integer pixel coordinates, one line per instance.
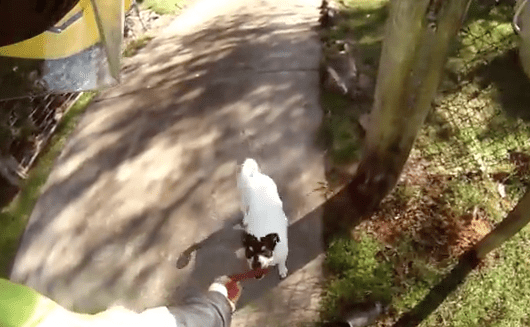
(259, 252)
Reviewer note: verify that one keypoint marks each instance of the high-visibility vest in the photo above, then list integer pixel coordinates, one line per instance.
(21, 306)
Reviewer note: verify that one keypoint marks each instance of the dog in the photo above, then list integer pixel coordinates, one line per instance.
(264, 221)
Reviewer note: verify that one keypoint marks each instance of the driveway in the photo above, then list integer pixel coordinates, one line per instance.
(151, 168)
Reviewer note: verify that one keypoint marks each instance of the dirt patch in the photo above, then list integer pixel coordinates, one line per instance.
(417, 209)
(522, 163)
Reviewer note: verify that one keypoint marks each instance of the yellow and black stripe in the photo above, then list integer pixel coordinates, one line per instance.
(75, 32)
(79, 52)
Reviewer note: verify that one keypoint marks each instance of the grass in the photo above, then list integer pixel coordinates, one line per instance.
(364, 270)
(340, 132)
(496, 297)
(162, 7)
(14, 217)
(479, 119)
(135, 45)
(357, 274)
(363, 25)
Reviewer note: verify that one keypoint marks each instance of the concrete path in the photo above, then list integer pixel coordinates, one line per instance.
(150, 170)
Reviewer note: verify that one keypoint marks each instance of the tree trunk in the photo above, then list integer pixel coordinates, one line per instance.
(516, 220)
(417, 37)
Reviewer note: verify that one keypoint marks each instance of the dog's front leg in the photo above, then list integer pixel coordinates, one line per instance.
(282, 269)
(240, 224)
(244, 222)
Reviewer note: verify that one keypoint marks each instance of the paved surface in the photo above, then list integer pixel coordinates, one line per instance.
(150, 170)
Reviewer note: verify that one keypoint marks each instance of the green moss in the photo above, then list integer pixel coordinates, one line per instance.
(357, 274)
(14, 217)
(163, 7)
(135, 45)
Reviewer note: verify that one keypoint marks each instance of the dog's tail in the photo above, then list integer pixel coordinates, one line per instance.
(249, 167)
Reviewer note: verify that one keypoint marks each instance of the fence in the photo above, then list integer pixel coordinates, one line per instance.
(28, 126)
(480, 118)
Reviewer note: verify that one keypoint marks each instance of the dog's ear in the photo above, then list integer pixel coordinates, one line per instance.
(244, 239)
(248, 239)
(271, 240)
(275, 238)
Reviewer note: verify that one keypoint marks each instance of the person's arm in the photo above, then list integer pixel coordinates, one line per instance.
(21, 306)
(210, 310)
(213, 309)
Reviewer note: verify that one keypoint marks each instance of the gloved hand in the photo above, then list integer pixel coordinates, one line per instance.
(230, 288)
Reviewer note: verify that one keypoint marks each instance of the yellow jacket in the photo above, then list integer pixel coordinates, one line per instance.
(21, 306)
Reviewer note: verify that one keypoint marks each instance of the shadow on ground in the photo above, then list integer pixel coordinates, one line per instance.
(308, 237)
(150, 169)
(506, 74)
(211, 261)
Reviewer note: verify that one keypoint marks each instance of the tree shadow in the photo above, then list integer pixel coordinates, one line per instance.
(483, 35)
(361, 26)
(500, 80)
(309, 236)
(151, 166)
(216, 256)
(506, 74)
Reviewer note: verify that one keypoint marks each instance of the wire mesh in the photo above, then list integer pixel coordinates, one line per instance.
(31, 123)
(480, 118)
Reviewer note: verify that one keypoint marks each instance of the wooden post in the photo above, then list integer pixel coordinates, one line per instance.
(417, 37)
(511, 225)
(521, 22)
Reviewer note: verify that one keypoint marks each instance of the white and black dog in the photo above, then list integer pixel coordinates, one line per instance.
(264, 221)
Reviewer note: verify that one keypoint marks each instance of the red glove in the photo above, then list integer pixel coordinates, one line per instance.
(230, 288)
(229, 285)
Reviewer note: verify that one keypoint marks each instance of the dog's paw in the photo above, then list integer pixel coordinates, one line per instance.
(240, 253)
(238, 227)
(283, 273)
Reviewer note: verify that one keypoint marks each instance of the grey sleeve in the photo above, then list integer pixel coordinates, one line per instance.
(210, 310)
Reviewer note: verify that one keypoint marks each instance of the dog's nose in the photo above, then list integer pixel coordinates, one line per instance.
(256, 264)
